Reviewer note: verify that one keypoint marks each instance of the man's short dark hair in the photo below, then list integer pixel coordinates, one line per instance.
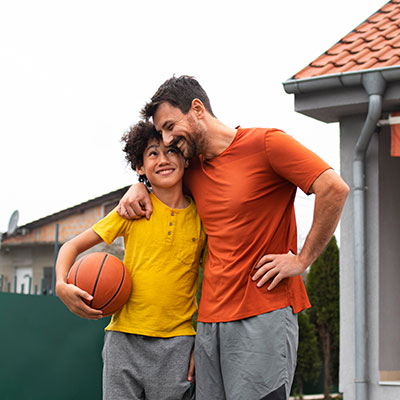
(179, 92)
(136, 141)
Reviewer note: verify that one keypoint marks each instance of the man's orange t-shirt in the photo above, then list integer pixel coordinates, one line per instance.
(245, 198)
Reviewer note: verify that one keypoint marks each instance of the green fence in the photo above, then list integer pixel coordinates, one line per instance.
(46, 352)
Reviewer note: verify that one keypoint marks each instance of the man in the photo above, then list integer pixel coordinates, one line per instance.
(244, 183)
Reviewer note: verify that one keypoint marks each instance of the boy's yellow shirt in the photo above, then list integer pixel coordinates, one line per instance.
(162, 255)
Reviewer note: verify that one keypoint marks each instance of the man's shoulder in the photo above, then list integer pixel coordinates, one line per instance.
(257, 134)
(259, 130)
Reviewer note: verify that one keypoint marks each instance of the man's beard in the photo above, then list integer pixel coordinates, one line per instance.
(189, 150)
(195, 142)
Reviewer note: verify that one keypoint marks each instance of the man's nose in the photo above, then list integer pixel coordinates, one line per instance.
(167, 138)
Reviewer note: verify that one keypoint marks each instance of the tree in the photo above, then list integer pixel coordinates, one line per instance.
(323, 289)
(308, 360)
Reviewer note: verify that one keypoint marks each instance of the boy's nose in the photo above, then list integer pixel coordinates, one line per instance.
(163, 158)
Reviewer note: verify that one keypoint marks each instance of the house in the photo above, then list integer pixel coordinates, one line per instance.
(357, 83)
(27, 256)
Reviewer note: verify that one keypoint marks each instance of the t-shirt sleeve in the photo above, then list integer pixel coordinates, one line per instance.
(111, 226)
(292, 161)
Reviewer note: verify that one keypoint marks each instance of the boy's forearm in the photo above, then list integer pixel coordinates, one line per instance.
(65, 260)
(71, 250)
(72, 296)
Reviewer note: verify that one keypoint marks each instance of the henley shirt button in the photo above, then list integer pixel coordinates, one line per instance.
(172, 213)
(169, 232)
(170, 224)
(193, 239)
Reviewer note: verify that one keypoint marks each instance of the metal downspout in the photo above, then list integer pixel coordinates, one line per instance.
(375, 85)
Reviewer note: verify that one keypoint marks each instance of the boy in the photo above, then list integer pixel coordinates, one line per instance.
(148, 344)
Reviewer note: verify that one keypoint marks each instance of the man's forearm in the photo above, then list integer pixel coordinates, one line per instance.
(327, 211)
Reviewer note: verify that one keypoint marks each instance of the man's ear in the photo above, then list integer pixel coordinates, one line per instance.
(198, 107)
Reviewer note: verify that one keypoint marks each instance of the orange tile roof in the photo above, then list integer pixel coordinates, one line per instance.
(373, 44)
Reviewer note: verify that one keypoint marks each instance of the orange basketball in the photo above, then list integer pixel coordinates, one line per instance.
(105, 277)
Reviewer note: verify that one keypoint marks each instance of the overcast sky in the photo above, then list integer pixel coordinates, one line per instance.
(74, 75)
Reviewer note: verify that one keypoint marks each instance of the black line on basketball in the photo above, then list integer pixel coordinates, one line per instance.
(77, 269)
(119, 288)
(97, 278)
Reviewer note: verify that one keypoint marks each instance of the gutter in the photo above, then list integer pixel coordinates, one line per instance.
(375, 85)
(374, 82)
(339, 80)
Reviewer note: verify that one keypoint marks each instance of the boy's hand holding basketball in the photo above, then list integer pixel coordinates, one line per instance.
(73, 297)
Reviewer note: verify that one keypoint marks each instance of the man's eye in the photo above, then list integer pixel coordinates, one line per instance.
(170, 127)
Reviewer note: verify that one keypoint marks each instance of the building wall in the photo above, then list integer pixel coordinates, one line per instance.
(377, 229)
(35, 249)
(389, 271)
(9, 260)
(348, 131)
(68, 228)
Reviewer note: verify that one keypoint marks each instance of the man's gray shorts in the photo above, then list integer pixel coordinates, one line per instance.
(248, 359)
(143, 367)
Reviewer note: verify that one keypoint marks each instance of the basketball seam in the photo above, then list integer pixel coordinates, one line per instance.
(119, 288)
(77, 269)
(97, 278)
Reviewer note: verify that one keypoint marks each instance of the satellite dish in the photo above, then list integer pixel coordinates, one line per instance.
(13, 223)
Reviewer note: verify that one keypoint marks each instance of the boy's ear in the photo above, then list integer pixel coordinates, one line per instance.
(186, 163)
(140, 171)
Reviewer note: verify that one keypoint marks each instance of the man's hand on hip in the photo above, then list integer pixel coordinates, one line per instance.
(277, 267)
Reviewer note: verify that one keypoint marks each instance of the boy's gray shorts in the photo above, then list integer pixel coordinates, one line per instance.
(251, 359)
(143, 367)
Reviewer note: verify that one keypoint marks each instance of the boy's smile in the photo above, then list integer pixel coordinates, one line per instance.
(163, 165)
(166, 171)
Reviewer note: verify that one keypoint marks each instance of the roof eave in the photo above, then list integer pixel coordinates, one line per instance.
(116, 194)
(339, 80)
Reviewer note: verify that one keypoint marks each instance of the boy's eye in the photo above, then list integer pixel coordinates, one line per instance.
(152, 153)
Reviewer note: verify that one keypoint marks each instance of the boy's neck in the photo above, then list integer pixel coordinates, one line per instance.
(172, 197)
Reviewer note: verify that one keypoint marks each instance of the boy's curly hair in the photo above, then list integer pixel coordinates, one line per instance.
(136, 140)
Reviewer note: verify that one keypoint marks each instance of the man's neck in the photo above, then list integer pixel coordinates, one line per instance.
(219, 138)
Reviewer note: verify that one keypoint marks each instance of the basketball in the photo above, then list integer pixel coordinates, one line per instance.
(105, 277)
